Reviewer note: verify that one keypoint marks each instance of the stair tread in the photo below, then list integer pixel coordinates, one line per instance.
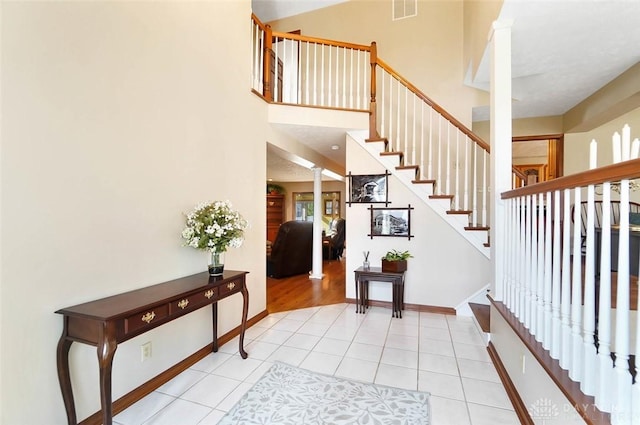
(462, 212)
(476, 228)
(376, 139)
(423, 181)
(391, 153)
(441, 196)
(407, 167)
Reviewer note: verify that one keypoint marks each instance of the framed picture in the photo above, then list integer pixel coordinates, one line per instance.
(368, 189)
(328, 207)
(394, 222)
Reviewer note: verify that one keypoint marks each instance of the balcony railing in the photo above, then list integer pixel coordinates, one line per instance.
(565, 294)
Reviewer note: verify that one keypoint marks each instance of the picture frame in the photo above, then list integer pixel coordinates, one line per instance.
(368, 188)
(328, 207)
(391, 222)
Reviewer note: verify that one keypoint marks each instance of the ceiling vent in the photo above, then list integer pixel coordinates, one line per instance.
(404, 9)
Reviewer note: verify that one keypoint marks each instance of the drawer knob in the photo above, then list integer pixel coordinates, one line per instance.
(183, 303)
(231, 285)
(209, 293)
(149, 316)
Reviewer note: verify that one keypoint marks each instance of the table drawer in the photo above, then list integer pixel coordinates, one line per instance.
(145, 318)
(193, 302)
(230, 288)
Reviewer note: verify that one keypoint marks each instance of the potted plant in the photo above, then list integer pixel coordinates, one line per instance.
(274, 189)
(395, 261)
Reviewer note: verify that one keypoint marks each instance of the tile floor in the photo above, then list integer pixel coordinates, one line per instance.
(443, 355)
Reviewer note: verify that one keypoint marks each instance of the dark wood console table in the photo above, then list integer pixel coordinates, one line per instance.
(363, 276)
(109, 321)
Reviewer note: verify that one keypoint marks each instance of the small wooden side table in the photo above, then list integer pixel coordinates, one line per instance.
(364, 276)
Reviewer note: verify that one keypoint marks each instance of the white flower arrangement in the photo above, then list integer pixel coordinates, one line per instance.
(214, 227)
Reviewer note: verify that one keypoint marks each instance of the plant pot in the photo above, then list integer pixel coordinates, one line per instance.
(394, 266)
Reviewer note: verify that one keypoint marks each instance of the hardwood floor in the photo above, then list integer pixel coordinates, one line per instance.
(299, 291)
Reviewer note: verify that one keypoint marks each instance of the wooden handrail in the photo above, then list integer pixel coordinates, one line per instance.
(299, 37)
(610, 173)
(435, 106)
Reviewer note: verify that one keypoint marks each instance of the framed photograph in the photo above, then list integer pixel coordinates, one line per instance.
(368, 189)
(394, 222)
(328, 207)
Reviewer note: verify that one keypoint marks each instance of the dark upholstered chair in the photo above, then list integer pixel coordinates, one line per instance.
(333, 243)
(292, 250)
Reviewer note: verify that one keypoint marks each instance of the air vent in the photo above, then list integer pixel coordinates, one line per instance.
(404, 9)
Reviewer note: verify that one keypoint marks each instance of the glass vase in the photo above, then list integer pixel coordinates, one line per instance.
(216, 263)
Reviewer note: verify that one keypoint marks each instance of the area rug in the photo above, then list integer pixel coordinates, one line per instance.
(289, 395)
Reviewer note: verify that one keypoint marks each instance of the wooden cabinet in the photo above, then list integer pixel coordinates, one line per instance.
(275, 215)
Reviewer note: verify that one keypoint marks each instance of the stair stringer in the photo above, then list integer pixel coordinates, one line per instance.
(440, 206)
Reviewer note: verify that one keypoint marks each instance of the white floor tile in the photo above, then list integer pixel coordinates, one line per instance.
(180, 412)
(370, 338)
(302, 314)
(211, 390)
(471, 352)
(144, 409)
(467, 337)
(478, 370)
(434, 346)
(402, 342)
(260, 350)
(337, 347)
(396, 376)
(438, 364)
(316, 329)
(289, 355)
(287, 324)
(397, 357)
(211, 362)
(359, 370)
(485, 415)
(237, 368)
(275, 336)
(212, 418)
(340, 332)
(485, 392)
(235, 395)
(367, 352)
(446, 411)
(304, 341)
(321, 363)
(403, 328)
(442, 385)
(182, 382)
(435, 333)
(257, 374)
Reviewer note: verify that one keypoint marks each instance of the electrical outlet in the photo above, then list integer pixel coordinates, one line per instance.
(145, 351)
(523, 364)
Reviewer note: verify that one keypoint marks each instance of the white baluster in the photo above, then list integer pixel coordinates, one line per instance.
(587, 384)
(621, 403)
(485, 187)
(466, 174)
(575, 369)
(532, 273)
(315, 73)
(474, 187)
(430, 168)
(548, 275)
(448, 163)
(565, 307)
(555, 297)
(605, 364)
(540, 214)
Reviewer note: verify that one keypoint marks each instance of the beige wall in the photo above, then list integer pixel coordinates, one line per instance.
(426, 49)
(117, 118)
(525, 127)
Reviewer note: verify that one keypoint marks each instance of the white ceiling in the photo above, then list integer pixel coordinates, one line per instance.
(562, 52)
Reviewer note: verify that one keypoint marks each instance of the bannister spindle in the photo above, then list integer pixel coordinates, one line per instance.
(413, 127)
(276, 83)
(528, 260)
(565, 307)
(457, 171)
(268, 92)
(532, 272)
(605, 364)
(474, 187)
(540, 212)
(405, 138)
(555, 297)
(621, 403)
(466, 174)
(439, 162)
(397, 141)
(448, 164)
(485, 171)
(575, 369)
(322, 67)
(315, 74)
(546, 292)
(352, 86)
(587, 384)
(430, 166)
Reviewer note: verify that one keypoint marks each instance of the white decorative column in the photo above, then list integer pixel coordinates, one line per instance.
(316, 272)
(500, 131)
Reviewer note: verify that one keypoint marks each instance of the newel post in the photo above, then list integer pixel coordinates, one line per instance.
(266, 63)
(373, 124)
